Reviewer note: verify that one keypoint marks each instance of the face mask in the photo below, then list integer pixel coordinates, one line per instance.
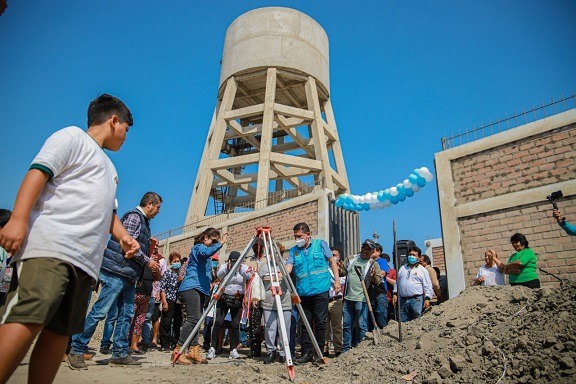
(412, 259)
(176, 265)
(301, 243)
(214, 264)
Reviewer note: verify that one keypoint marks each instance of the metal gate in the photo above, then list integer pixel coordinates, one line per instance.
(344, 230)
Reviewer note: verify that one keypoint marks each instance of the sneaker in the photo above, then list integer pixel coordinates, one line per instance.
(76, 361)
(282, 359)
(270, 357)
(234, 354)
(211, 353)
(105, 350)
(124, 361)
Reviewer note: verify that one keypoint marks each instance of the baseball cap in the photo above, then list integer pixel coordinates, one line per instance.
(369, 243)
(234, 255)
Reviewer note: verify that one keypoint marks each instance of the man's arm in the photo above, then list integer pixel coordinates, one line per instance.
(14, 232)
(127, 242)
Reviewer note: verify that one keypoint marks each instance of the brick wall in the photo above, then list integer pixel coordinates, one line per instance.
(555, 250)
(438, 259)
(281, 223)
(532, 162)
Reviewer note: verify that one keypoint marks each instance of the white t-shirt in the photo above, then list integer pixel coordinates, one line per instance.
(492, 276)
(71, 218)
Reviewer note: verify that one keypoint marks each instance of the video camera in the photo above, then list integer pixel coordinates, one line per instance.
(552, 199)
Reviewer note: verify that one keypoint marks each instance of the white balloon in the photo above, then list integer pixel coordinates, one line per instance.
(407, 184)
(429, 177)
(387, 203)
(374, 198)
(373, 205)
(393, 191)
(415, 188)
(355, 199)
(361, 200)
(425, 170)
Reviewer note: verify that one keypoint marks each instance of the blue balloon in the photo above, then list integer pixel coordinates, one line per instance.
(366, 206)
(381, 196)
(401, 197)
(413, 178)
(409, 192)
(339, 202)
(421, 182)
(394, 199)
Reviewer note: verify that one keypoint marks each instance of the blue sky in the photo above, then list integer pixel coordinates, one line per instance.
(403, 75)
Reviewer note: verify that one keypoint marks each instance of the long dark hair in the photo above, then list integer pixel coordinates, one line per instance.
(210, 232)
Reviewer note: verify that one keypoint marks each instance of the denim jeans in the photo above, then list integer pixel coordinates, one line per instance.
(411, 308)
(118, 291)
(109, 325)
(147, 326)
(381, 310)
(355, 315)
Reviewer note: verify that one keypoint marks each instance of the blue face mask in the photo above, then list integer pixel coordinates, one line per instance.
(214, 264)
(412, 259)
(176, 265)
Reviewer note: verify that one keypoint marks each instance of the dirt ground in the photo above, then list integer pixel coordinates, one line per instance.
(485, 335)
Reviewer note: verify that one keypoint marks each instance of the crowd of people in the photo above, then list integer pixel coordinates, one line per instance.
(59, 229)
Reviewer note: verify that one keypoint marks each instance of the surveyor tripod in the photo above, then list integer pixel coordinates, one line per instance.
(277, 271)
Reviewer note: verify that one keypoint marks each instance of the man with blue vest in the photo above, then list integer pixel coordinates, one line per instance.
(310, 260)
(118, 277)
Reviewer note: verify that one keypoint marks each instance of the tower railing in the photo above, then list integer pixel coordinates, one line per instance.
(273, 198)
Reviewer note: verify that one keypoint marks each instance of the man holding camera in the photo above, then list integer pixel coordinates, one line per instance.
(567, 226)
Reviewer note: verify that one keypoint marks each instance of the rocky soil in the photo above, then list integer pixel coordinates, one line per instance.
(485, 335)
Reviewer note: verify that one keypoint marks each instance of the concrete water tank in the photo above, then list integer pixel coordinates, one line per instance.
(276, 37)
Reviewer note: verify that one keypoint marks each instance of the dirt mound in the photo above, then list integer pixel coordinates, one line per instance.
(486, 334)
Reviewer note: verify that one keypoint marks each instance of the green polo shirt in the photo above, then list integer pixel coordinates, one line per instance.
(528, 270)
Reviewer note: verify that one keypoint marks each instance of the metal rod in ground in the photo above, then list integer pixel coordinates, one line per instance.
(397, 266)
(376, 330)
(276, 290)
(214, 299)
(297, 302)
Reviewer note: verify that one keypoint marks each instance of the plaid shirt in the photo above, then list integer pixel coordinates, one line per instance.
(133, 224)
(169, 285)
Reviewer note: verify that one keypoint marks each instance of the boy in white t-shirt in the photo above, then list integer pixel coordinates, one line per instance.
(64, 210)
(491, 273)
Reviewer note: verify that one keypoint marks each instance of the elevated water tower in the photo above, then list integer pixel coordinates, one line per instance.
(273, 135)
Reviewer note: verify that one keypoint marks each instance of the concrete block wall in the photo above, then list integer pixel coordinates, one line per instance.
(491, 188)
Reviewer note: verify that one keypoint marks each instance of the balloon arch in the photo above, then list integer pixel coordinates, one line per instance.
(389, 196)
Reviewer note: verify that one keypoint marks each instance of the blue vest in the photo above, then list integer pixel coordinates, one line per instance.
(311, 271)
(114, 261)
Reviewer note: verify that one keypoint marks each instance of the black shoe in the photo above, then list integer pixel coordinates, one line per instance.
(282, 359)
(306, 357)
(336, 354)
(326, 354)
(270, 357)
(135, 351)
(105, 350)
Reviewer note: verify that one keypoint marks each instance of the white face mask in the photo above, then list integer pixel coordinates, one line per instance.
(300, 243)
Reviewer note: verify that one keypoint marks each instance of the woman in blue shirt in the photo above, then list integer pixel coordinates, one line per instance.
(195, 288)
